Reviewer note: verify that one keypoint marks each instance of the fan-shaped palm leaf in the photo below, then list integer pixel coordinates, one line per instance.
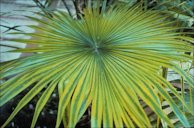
(107, 60)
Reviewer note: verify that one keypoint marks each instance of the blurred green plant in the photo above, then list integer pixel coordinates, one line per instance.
(110, 59)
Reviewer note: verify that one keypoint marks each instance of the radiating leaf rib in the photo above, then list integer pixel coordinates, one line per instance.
(39, 86)
(32, 66)
(69, 89)
(81, 97)
(61, 87)
(145, 95)
(42, 101)
(96, 107)
(35, 90)
(80, 85)
(134, 105)
(107, 111)
(118, 111)
(12, 91)
(34, 59)
(110, 101)
(167, 98)
(17, 89)
(39, 61)
(165, 84)
(155, 107)
(97, 94)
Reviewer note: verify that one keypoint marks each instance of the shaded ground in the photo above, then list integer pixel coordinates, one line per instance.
(47, 118)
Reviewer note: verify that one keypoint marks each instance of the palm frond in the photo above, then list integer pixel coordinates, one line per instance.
(107, 60)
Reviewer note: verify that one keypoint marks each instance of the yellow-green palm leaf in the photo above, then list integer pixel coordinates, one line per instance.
(107, 59)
